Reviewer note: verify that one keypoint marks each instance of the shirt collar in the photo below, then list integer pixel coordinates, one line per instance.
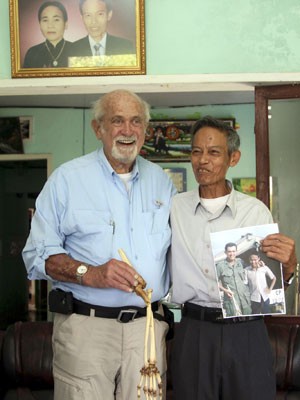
(231, 202)
(58, 46)
(102, 41)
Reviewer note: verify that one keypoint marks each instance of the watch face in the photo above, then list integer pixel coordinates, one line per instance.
(81, 269)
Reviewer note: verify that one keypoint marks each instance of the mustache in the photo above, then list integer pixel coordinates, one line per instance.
(125, 138)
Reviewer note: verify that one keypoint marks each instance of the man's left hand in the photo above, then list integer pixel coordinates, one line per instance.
(282, 249)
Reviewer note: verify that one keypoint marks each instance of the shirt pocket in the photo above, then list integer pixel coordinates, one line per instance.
(227, 277)
(90, 232)
(158, 231)
(242, 275)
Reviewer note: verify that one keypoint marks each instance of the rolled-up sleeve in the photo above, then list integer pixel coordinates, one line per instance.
(45, 238)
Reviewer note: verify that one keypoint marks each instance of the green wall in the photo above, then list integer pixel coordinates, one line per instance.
(183, 37)
(66, 133)
(209, 36)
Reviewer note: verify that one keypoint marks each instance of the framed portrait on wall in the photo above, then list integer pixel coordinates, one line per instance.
(178, 176)
(77, 37)
(170, 140)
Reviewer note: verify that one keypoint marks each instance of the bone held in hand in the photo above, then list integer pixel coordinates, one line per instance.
(138, 289)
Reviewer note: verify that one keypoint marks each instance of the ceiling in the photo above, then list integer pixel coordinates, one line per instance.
(174, 99)
(159, 91)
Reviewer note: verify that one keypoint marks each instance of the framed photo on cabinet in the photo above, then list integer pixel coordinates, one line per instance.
(77, 38)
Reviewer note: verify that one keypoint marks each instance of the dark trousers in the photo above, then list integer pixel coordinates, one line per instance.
(262, 307)
(215, 361)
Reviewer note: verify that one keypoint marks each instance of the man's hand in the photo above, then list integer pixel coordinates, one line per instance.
(113, 274)
(282, 249)
(229, 293)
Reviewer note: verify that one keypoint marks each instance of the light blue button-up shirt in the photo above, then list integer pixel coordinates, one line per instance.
(85, 211)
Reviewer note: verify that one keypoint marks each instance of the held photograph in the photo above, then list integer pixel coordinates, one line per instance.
(249, 282)
(77, 37)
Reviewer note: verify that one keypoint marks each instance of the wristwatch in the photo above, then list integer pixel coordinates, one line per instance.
(80, 272)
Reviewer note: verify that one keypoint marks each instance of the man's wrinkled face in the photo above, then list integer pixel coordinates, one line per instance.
(209, 157)
(122, 130)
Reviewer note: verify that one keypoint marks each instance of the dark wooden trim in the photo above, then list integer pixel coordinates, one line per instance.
(261, 130)
(262, 96)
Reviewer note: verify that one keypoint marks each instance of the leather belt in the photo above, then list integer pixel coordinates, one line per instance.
(209, 314)
(121, 314)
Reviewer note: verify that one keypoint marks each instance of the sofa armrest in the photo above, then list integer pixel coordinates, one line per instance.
(27, 355)
(284, 334)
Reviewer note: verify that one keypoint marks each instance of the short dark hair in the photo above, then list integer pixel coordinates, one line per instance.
(57, 4)
(233, 139)
(254, 253)
(230, 244)
(107, 2)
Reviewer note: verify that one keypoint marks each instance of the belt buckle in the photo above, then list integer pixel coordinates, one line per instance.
(123, 312)
(239, 319)
(219, 318)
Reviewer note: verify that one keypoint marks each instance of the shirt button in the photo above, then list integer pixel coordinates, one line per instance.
(206, 271)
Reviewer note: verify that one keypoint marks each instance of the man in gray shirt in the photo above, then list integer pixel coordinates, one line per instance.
(216, 358)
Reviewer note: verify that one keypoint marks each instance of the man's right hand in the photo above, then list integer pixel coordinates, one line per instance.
(113, 274)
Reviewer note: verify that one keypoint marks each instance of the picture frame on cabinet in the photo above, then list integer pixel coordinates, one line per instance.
(66, 49)
(170, 140)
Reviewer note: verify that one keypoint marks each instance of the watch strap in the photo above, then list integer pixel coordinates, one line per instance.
(79, 275)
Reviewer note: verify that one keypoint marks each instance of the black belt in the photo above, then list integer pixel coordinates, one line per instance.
(121, 314)
(209, 314)
(64, 303)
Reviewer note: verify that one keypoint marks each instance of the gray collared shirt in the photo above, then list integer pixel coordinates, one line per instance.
(191, 259)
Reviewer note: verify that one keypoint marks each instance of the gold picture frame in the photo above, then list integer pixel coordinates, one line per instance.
(34, 56)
